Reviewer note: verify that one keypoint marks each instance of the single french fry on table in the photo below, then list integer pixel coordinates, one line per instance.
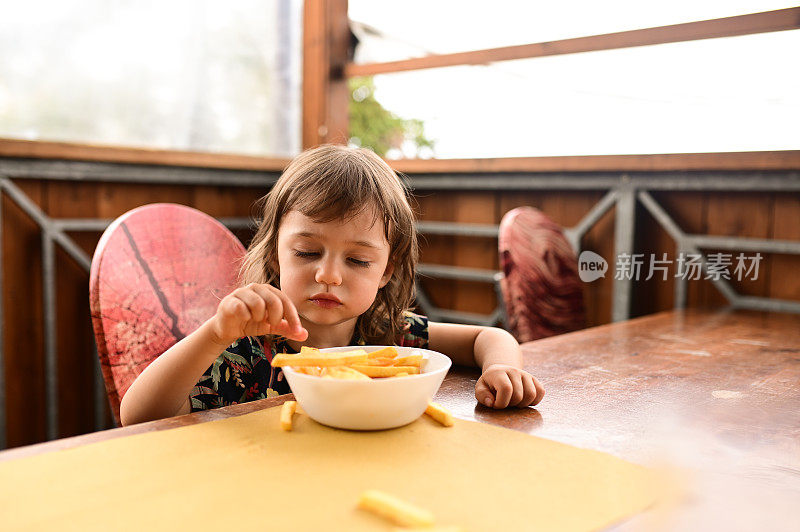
(440, 414)
(384, 371)
(430, 529)
(287, 411)
(395, 509)
(341, 358)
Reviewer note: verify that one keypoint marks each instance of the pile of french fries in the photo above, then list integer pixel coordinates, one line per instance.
(353, 365)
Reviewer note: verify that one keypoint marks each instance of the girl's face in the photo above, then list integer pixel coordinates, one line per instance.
(332, 271)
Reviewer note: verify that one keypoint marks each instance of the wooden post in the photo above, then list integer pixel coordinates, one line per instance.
(326, 37)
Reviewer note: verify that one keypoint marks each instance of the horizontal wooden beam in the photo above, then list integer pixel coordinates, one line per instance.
(733, 161)
(30, 149)
(768, 21)
(744, 161)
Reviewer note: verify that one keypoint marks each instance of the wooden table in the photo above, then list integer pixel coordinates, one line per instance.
(716, 394)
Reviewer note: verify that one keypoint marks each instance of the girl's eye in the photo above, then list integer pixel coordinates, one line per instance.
(305, 254)
(360, 263)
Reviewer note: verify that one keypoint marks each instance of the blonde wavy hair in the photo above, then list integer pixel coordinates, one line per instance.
(338, 183)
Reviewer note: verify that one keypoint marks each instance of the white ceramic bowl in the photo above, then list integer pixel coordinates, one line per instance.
(373, 404)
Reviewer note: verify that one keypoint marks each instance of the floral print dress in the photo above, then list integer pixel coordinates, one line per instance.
(243, 372)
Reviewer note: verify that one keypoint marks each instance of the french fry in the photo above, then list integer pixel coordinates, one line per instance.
(342, 372)
(440, 414)
(410, 360)
(384, 361)
(386, 352)
(402, 374)
(430, 529)
(287, 411)
(308, 370)
(305, 350)
(341, 358)
(384, 371)
(395, 509)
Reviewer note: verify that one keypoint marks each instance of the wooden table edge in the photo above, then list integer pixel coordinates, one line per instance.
(141, 428)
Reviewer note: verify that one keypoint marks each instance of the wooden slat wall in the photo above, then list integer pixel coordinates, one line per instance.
(23, 330)
(783, 271)
(769, 215)
(743, 214)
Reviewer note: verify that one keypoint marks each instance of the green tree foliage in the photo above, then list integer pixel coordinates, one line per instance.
(373, 126)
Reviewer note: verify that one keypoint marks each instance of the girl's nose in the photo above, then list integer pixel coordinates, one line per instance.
(328, 273)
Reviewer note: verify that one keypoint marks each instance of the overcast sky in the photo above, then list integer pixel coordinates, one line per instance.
(731, 94)
(225, 76)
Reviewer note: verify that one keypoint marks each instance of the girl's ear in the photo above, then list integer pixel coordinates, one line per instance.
(387, 274)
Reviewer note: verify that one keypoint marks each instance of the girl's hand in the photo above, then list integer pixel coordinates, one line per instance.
(255, 310)
(501, 386)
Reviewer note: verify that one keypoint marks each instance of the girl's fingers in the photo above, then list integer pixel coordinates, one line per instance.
(254, 303)
(284, 329)
(517, 388)
(483, 393)
(295, 329)
(539, 391)
(274, 312)
(503, 388)
(232, 317)
(235, 308)
(265, 328)
(292, 317)
(293, 334)
(529, 392)
(273, 308)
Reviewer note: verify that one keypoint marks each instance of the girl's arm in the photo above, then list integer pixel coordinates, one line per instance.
(163, 388)
(503, 380)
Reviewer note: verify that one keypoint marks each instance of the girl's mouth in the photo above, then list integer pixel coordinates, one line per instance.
(325, 300)
(326, 303)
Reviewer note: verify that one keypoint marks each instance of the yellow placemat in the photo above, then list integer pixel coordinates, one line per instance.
(245, 473)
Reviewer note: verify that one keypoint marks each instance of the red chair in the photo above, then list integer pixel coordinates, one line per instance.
(542, 292)
(158, 272)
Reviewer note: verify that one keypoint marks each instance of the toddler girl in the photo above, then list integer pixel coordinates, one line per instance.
(332, 264)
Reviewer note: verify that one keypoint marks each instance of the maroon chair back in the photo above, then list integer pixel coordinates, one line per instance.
(158, 272)
(542, 291)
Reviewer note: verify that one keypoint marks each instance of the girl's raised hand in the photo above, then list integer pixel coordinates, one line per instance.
(255, 310)
(501, 386)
